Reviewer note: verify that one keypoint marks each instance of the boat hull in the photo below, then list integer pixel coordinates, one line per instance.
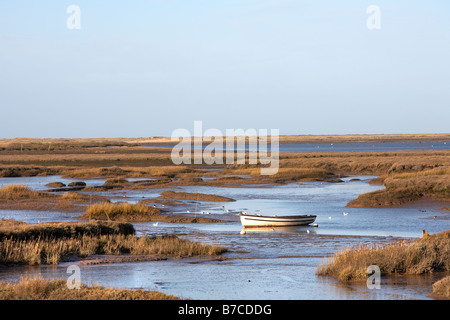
(249, 221)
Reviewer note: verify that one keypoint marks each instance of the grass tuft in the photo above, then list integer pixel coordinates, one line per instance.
(21, 191)
(428, 254)
(122, 211)
(37, 288)
(441, 289)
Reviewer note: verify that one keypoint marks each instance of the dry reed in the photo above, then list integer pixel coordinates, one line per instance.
(38, 288)
(52, 243)
(428, 254)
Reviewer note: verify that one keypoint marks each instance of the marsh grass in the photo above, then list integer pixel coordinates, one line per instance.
(408, 186)
(299, 174)
(21, 191)
(114, 172)
(122, 211)
(428, 254)
(441, 289)
(52, 243)
(38, 288)
(52, 251)
(19, 230)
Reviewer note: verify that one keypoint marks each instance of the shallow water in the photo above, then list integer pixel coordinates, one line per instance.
(267, 264)
(259, 279)
(39, 183)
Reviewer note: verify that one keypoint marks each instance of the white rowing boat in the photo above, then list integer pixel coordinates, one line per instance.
(253, 220)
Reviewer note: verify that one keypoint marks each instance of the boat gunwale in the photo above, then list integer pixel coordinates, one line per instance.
(278, 218)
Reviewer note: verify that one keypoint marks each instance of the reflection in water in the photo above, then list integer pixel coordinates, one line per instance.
(298, 229)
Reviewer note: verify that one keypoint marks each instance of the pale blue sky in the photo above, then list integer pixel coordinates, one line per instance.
(146, 68)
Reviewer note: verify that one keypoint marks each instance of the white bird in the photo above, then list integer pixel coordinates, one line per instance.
(307, 231)
(345, 213)
(188, 211)
(329, 217)
(155, 224)
(207, 212)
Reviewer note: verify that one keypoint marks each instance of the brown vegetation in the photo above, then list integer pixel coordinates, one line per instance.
(28, 288)
(21, 197)
(22, 231)
(122, 211)
(441, 289)
(55, 242)
(428, 254)
(404, 187)
(139, 212)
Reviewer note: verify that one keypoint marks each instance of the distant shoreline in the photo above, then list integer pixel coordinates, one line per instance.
(283, 139)
(348, 138)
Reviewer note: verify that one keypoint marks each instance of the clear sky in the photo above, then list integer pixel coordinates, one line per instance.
(145, 68)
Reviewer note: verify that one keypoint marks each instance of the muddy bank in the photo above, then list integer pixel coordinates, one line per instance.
(193, 196)
(404, 188)
(37, 288)
(111, 259)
